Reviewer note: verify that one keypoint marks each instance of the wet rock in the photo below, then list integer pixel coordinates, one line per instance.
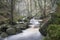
(26, 20)
(1, 22)
(22, 26)
(0, 28)
(18, 29)
(0, 32)
(4, 25)
(11, 31)
(9, 26)
(13, 23)
(3, 35)
(43, 32)
(3, 28)
(26, 25)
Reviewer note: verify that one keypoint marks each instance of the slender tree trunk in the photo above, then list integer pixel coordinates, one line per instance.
(11, 11)
(44, 10)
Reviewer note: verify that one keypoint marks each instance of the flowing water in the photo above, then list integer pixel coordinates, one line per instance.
(31, 33)
(28, 34)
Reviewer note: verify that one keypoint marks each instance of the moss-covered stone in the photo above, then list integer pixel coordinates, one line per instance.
(9, 26)
(0, 32)
(3, 28)
(3, 35)
(22, 26)
(11, 31)
(18, 29)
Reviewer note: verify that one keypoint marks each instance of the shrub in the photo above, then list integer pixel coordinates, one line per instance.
(53, 32)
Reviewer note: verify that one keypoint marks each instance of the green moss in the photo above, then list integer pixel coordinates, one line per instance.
(11, 31)
(53, 31)
(3, 35)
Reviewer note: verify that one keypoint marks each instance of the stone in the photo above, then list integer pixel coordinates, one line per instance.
(3, 35)
(8, 26)
(0, 32)
(3, 28)
(11, 31)
(18, 30)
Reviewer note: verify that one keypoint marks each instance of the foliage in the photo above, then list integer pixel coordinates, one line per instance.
(5, 9)
(58, 2)
(53, 31)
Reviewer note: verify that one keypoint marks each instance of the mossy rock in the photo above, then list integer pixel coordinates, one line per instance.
(18, 29)
(3, 28)
(53, 32)
(26, 20)
(0, 28)
(9, 26)
(11, 31)
(26, 25)
(0, 32)
(4, 25)
(1, 22)
(23, 27)
(3, 35)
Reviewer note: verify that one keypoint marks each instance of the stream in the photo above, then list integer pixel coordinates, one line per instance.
(32, 33)
(28, 34)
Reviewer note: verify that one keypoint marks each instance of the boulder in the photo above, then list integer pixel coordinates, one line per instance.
(22, 26)
(18, 29)
(11, 31)
(3, 35)
(3, 28)
(0, 32)
(8, 26)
